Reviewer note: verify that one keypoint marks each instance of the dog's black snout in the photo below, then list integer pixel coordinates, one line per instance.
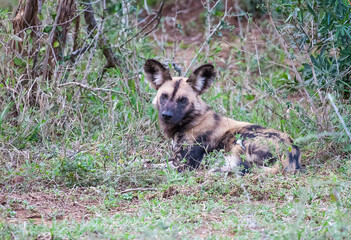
(166, 115)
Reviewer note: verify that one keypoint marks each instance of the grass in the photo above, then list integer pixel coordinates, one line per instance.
(306, 206)
(66, 160)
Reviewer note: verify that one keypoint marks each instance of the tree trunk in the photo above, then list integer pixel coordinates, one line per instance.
(26, 17)
(112, 60)
(67, 15)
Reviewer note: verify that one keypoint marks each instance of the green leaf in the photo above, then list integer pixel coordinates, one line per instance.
(310, 9)
(215, 97)
(345, 2)
(56, 44)
(300, 16)
(47, 29)
(249, 97)
(16, 38)
(19, 62)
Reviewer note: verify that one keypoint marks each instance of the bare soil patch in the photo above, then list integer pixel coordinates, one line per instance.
(42, 207)
(45, 207)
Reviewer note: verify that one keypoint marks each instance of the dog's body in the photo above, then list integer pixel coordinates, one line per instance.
(197, 130)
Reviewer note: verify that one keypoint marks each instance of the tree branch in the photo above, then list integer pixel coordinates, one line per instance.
(208, 38)
(90, 88)
(112, 60)
(298, 76)
(339, 116)
(157, 17)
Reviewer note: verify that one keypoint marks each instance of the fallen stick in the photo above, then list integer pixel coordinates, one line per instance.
(137, 189)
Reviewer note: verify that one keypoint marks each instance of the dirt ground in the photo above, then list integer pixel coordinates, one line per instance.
(65, 204)
(44, 207)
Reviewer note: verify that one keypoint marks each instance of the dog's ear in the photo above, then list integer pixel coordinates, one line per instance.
(156, 74)
(202, 78)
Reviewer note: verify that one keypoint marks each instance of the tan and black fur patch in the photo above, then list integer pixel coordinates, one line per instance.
(197, 130)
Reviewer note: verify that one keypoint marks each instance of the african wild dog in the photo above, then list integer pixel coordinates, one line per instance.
(197, 130)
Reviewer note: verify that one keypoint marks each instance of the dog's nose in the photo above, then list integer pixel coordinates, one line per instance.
(166, 115)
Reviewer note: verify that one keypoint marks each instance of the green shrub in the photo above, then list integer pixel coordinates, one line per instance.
(81, 170)
(317, 39)
(321, 29)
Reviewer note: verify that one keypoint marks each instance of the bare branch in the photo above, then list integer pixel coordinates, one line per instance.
(157, 17)
(298, 77)
(339, 116)
(51, 36)
(137, 189)
(208, 38)
(112, 60)
(90, 88)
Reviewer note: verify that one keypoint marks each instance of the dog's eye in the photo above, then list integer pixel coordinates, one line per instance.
(164, 96)
(183, 100)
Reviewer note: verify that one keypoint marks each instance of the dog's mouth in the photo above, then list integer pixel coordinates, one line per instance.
(169, 121)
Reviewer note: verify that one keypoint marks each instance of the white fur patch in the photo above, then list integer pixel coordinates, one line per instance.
(200, 82)
(158, 79)
(231, 163)
(240, 143)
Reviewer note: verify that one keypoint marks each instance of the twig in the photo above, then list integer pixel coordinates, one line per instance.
(208, 32)
(146, 7)
(208, 38)
(157, 17)
(79, 205)
(90, 88)
(340, 117)
(112, 60)
(258, 60)
(174, 31)
(282, 117)
(243, 47)
(210, 10)
(79, 52)
(137, 189)
(298, 77)
(90, 58)
(86, 46)
(324, 109)
(46, 61)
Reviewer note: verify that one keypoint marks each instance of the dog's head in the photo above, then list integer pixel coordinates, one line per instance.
(177, 98)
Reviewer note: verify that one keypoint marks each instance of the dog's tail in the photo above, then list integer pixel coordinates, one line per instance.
(294, 156)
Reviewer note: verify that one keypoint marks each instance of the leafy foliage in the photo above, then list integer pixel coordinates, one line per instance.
(321, 28)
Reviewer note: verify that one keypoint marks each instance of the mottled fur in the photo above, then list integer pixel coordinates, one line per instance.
(197, 130)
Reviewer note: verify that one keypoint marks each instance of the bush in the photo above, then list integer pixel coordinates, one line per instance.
(321, 29)
(81, 170)
(317, 39)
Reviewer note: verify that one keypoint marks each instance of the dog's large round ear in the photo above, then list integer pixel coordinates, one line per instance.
(202, 78)
(156, 74)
